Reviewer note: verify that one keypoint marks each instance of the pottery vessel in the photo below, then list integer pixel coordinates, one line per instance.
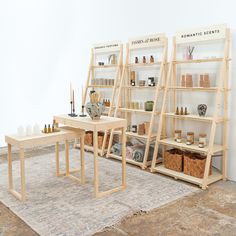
(202, 108)
(95, 110)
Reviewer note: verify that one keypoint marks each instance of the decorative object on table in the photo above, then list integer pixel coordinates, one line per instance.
(141, 129)
(202, 140)
(181, 111)
(36, 129)
(173, 160)
(128, 128)
(177, 111)
(202, 108)
(20, 131)
(49, 129)
(29, 131)
(45, 130)
(178, 136)
(106, 102)
(95, 108)
(72, 102)
(194, 165)
(134, 128)
(146, 126)
(112, 59)
(185, 111)
(100, 63)
(141, 83)
(151, 81)
(190, 138)
(132, 78)
(204, 80)
(144, 60)
(189, 53)
(151, 59)
(149, 105)
(136, 60)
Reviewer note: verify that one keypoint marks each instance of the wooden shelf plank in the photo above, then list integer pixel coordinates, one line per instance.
(130, 161)
(216, 175)
(194, 147)
(137, 111)
(209, 89)
(100, 86)
(90, 148)
(144, 64)
(136, 135)
(105, 66)
(198, 60)
(194, 117)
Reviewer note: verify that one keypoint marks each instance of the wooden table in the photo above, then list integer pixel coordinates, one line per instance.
(105, 123)
(65, 134)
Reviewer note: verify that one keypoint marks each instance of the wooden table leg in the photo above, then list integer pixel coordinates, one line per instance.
(22, 173)
(67, 158)
(10, 179)
(123, 158)
(82, 174)
(57, 159)
(95, 154)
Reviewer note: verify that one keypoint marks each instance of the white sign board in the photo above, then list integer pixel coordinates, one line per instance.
(107, 47)
(147, 41)
(201, 34)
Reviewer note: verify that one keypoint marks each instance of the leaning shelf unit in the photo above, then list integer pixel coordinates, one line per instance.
(123, 109)
(102, 53)
(219, 35)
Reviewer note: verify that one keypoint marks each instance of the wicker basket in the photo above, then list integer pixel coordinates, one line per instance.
(173, 159)
(88, 139)
(194, 165)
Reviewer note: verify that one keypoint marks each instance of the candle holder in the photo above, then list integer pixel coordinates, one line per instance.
(82, 115)
(72, 110)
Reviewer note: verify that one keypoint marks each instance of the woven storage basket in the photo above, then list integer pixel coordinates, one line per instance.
(100, 140)
(173, 159)
(88, 139)
(194, 165)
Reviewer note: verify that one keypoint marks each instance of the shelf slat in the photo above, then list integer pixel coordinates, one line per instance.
(194, 117)
(136, 135)
(194, 147)
(215, 176)
(198, 60)
(137, 111)
(209, 89)
(144, 64)
(101, 86)
(105, 66)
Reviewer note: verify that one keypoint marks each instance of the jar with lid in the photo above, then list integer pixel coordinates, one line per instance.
(190, 138)
(202, 140)
(178, 136)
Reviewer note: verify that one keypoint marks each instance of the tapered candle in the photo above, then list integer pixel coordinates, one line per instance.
(73, 100)
(82, 91)
(70, 92)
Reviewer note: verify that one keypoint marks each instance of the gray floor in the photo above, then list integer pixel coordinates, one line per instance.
(210, 212)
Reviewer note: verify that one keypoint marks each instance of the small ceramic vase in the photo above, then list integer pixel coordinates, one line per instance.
(202, 108)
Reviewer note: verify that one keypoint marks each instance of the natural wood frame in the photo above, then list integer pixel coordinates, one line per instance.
(125, 88)
(105, 123)
(91, 75)
(44, 139)
(214, 120)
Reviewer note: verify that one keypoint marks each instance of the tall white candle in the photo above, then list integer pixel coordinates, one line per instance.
(71, 93)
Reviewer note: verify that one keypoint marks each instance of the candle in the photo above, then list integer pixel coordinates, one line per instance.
(82, 91)
(70, 92)
(73, 100)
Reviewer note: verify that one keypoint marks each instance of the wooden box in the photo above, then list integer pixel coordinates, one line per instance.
(173, 159)
(194, 165)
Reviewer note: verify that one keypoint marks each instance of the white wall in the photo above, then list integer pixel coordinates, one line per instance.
(46, 44)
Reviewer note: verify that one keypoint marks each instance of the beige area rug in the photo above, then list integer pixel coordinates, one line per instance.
(62, 207)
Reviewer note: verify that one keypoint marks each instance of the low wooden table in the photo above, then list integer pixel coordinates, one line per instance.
(65, 134)
(105, 123)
